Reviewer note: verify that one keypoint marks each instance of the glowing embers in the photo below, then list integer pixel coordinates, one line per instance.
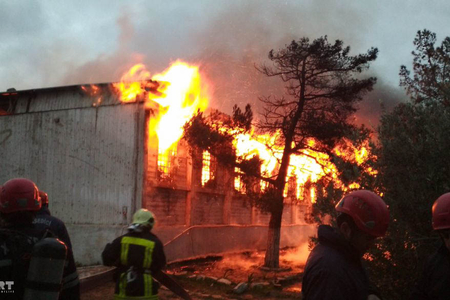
(167, 164)
(93, 91)
(209, 166)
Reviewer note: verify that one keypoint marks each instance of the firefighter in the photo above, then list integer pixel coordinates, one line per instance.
(139, 257)
(44, 220)
(334, 269)
(435, 280)
(19, 203)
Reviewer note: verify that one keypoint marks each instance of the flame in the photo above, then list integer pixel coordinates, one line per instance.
(172, 96)
(176, 94)
(302, 168)
(93, 91)
(313, 195)
(182, 97)
(130, 85)
(207, 168)
(311, 166)
(359, 155)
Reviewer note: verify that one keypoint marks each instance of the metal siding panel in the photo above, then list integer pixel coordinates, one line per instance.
(68, 99)
(61, 99)
(21, 105)
(85, 159)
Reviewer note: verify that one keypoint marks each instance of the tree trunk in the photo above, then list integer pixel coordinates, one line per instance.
(271, 259)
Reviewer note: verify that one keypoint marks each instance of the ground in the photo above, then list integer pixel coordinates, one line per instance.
(200, 277)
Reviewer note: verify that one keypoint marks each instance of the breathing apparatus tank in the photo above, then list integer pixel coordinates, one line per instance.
(46, 270)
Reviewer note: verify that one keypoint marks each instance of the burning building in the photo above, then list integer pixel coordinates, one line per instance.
(102, 151)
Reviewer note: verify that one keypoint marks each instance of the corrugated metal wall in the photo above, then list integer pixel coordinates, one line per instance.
(88, 159)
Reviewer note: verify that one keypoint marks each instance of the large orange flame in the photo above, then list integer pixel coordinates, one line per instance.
(302, 168)
(176, 94)
(311, 166)
(173, 97)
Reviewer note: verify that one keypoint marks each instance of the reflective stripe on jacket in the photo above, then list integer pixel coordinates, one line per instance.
(147, 280)
(136, 256)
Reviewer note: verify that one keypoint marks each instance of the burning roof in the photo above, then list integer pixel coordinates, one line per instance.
(175, 95)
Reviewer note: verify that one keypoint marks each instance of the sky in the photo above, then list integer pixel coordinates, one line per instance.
(53, 43)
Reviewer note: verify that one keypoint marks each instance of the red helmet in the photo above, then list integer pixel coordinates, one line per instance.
(44, 197)
(19, 194)
(441, 212)
(368, 210)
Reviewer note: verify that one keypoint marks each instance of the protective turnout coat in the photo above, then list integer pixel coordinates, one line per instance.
(334, 270)
(435, 281)
(44, 220)
(137, 256)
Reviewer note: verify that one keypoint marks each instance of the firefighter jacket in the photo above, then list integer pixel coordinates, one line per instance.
(137, 255)
(334, 270)
(434, 283)
(16, 246)
(44, 220)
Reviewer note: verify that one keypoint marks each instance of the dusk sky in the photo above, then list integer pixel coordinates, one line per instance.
(53, 43)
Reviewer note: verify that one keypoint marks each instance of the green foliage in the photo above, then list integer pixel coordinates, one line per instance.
(269, 200)
(203, 133)
(412, 158)
(330, 190)
(243, 119)
(414, 161)
(210, 133)
(321, 92)
(414, 165)
(431, 66)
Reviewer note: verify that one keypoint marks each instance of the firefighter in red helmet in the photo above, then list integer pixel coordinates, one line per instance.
(19, 204)
(333, 269)
(19, 201)
(45, 220)
(435, 280)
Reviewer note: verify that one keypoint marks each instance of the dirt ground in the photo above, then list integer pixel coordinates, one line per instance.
(199, 277)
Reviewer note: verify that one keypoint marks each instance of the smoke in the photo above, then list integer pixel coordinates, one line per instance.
(239, 39)
(108, 67)
(383, 98)
(227, 41)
